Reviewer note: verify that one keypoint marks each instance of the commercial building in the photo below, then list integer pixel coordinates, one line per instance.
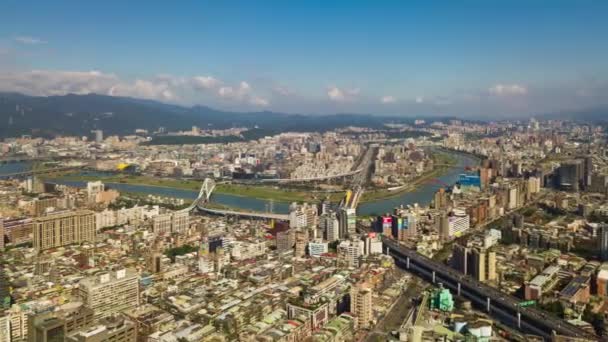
(458, 223)
(477, 262)
(64, 228)
(570, 175)
(348, 222)
(110, 293)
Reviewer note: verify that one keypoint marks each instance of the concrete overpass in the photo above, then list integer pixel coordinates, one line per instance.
(243, 214)
(503, 307)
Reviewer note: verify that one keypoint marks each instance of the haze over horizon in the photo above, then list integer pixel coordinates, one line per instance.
(473, 58)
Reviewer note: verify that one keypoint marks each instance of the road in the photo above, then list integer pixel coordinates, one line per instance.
(502, 306)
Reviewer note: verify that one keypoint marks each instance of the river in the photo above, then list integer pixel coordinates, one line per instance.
(422, 195)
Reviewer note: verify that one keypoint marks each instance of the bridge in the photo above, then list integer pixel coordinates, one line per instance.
(503, 307)
(204, 195)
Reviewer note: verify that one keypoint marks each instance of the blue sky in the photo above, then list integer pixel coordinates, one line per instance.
(470, 58)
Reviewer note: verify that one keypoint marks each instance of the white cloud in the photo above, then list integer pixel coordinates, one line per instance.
(51, 82)
(259, 101)
(235, 93)
(144, 89)
(205, 82)
(388, 99)
(27, 40)
(339, 95)
(283, 90)
(508, 90)
(419, 99)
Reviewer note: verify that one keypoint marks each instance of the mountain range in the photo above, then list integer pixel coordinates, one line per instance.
(79, 114)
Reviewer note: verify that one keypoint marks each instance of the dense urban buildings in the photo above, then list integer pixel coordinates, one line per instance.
(303, 171)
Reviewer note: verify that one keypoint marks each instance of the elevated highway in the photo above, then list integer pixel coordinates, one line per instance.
(503, 307)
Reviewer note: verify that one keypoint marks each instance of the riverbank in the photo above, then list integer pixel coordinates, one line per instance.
(262, 192)
(444, 159)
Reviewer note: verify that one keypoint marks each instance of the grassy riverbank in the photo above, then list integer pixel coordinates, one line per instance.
(445, 161)
(276, 193)
(266, 192)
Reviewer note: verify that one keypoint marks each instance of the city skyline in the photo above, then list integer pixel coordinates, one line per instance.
(472, 59)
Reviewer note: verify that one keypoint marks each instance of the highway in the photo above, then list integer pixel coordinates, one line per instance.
(502, 306)
(248, 214)
(360, 179)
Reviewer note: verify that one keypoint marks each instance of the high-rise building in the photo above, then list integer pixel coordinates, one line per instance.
(1, 234)
(5, 329)
(286, 240)
(587, 171)
(303, 215)
(459, 259)
(604, 242)
(301, 242)
(443, 226)
(479, 263)
(361, 305)
(171, 222)
(64, 228)
(373, 244)
(348, 222)
(330, 225)
(570, 175)
(93, 189)
(98, 135)
(483, 264)
(349, 252)
(458, 223)
(441, 199)
(5, 294)
(110, 293)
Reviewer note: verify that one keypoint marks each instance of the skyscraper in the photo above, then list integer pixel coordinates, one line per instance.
(570, 175)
